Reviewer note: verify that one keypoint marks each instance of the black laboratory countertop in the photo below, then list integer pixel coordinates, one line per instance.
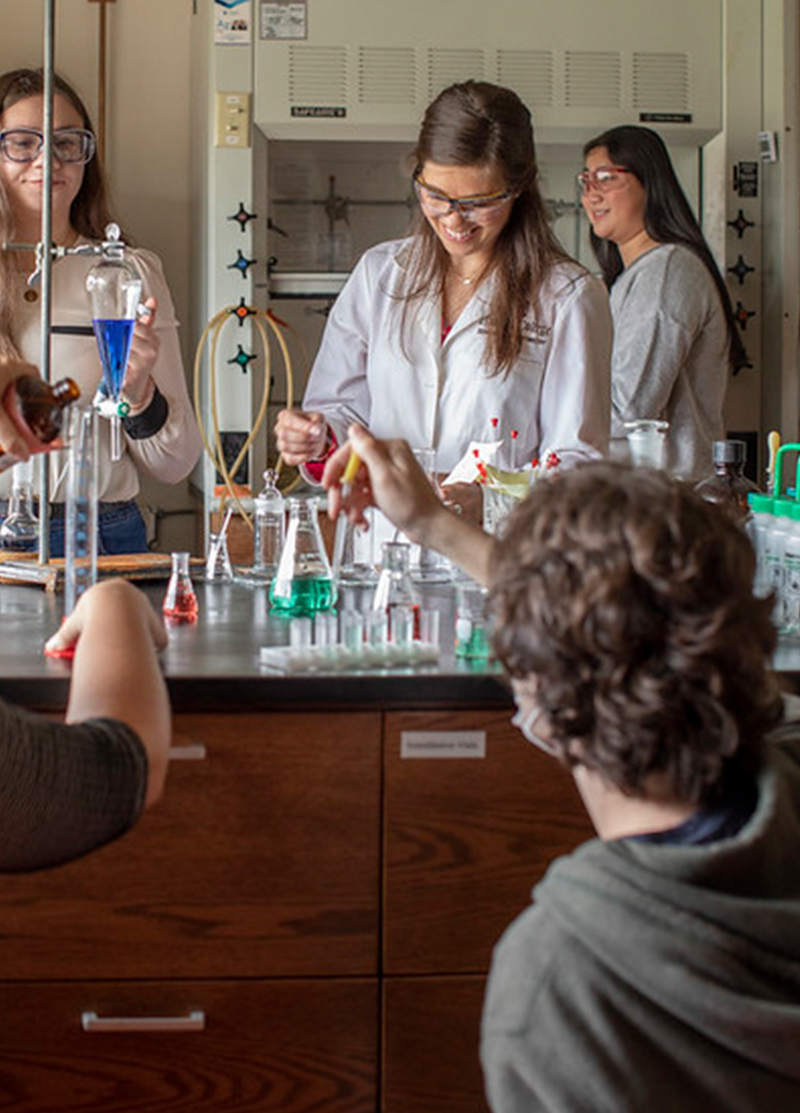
(214, 665)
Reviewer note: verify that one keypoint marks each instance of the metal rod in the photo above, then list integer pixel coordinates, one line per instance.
(101, 92)
(46, 259)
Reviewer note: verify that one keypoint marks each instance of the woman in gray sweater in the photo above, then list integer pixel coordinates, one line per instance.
(675, 337)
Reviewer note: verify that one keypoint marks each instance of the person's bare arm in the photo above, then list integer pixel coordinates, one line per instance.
(115, 672)
(391, 479)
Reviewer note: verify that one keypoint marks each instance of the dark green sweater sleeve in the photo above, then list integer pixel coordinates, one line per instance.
(65, 789)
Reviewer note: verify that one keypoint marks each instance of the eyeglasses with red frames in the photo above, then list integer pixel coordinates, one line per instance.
(477, 209)
(604, 179)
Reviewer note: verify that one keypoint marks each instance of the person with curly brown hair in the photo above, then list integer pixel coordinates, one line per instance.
(658, 966)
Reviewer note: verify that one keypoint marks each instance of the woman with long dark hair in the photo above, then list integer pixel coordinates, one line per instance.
(160, 436)
(675, 337)
(478, 314)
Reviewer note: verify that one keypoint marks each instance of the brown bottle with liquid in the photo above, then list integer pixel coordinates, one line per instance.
(41, 406)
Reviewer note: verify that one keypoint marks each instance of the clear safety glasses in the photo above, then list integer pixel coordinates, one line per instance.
(26, 144)
(479, 209)
(605, 179)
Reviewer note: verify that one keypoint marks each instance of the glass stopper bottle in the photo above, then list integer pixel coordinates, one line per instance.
(269, 527)
(40, 406)
(19, 532)
(729, 487)
(303, 582)
(180, 601)
(395, 593)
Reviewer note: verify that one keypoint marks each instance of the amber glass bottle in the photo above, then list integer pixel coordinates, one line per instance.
(41, 406)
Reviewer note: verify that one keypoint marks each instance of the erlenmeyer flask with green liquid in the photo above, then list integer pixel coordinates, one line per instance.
(303, 582)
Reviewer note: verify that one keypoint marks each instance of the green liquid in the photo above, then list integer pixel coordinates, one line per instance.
(476, 645)
(302, 597)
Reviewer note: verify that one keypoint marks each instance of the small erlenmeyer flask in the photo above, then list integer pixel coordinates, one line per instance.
(303, 582)
(180, 601)
(19, 532)
(395, 594)
(269, 527)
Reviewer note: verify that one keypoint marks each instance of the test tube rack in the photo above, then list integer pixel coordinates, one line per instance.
(353, 642)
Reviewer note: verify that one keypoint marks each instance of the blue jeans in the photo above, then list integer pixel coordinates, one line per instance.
(121, 529)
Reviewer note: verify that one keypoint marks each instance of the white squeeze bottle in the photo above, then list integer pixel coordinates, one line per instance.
(758, 527)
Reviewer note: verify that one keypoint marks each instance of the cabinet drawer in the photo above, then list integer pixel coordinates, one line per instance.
(260, 860)
(466, 838)
(431, 1045)
(292, 1046)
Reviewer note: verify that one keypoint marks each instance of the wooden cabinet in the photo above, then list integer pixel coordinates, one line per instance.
(295, 1045)
(472, 818)
(248, 896)
(466, 838)
(304, 922)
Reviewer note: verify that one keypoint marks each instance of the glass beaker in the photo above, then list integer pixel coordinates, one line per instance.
(19, 532)
(180, 602)
(647, 442)
(429, 566)
(350, 566)
(395, 594)
(472, 638)
(218, 561)
(80, 544)
(303, 582)
(115, 290)
(269, 527)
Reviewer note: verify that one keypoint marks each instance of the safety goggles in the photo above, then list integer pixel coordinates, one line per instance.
(26, 144)
(605, 179)
(478, 209)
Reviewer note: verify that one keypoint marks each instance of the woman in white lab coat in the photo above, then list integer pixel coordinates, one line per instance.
(477, 326)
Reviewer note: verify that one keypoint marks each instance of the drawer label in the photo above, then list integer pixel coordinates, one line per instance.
(442, 743)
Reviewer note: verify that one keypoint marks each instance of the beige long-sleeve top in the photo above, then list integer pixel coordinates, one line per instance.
(171, 453)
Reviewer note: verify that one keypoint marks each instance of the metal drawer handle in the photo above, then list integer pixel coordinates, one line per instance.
(194, 1021)
(196, 752)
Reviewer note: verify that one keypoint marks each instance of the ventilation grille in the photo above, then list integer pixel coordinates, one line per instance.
(661, 82)
(386, 75)
(318, 75)
(447, 66)
(592, 80)
(530, 73)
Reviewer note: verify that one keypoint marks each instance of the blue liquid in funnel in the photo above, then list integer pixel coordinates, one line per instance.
(114, 341)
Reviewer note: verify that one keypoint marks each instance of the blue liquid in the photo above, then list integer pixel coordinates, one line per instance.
(114, 341)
